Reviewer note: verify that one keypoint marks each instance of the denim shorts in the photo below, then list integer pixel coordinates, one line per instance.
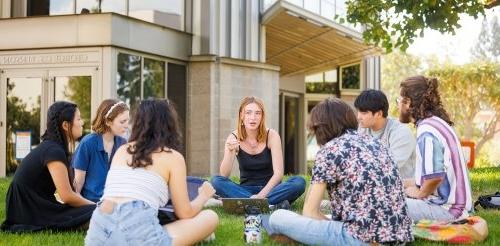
(130, 223)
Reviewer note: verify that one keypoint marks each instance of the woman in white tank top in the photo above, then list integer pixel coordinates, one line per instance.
(144, 173)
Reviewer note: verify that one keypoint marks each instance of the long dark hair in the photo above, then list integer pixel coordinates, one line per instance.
(425, 100)
(155, 128)
(58, 113)
(330, 119)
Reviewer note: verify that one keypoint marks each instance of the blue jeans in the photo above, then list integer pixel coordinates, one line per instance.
(289, 190)
(130, 223)
(310, 231)
(420, 209)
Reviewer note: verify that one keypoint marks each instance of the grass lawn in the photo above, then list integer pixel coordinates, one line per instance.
(230, 230)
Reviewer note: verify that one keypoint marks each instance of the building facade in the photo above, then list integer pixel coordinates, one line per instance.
(204, 55)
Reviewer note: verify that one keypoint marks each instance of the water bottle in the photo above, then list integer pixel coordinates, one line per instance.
(253, 222)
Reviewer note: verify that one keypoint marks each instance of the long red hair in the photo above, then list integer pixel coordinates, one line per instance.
(242, 133)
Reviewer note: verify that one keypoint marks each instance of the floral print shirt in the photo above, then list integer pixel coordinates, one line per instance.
(364, 187)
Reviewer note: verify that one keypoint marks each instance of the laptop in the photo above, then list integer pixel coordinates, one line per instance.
(237, 205)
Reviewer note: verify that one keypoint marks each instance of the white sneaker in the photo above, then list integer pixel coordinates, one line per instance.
(211, 237)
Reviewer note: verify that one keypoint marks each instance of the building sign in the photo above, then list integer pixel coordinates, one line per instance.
(48, 58)
(23, 144)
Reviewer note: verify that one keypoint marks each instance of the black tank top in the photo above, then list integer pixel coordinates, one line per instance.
(255, 169)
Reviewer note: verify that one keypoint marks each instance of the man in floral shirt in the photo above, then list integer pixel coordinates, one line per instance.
(363, 184)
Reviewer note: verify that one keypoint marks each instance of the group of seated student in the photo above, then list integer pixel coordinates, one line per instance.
(377, 176)
(370, 201)
(143, 175)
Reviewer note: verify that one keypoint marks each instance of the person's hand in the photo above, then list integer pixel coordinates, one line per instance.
(233, 145)
(413, 192)
(206, 190)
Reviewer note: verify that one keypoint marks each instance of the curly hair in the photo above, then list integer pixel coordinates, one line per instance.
(155, 128)
(107, 111)
(425, 100)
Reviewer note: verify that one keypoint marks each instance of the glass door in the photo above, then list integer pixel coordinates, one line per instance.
(26, 94)
(21, 105)
(75, 85)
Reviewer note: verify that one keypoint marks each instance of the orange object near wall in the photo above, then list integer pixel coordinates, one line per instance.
(471, 152)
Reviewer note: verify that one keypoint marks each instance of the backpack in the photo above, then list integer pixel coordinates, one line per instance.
(489, 201)
(166, 214)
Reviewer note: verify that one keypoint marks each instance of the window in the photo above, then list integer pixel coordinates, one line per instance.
(154, 78)
(165, 6)
(322, 83)
(102, 6)
(177, 93)
(129, 80)
(139, 78)
(350, 77)
(163, 12)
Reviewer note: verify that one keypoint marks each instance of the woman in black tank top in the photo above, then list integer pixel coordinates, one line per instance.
(260, 159)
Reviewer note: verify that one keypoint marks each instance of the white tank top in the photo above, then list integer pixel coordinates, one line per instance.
(136, 183)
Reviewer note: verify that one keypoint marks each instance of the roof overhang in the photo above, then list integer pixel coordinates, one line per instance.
(300, 41)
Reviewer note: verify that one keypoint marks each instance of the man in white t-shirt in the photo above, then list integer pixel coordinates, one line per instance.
(372, 107)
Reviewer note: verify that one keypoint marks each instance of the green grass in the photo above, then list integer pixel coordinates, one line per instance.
(230, 230)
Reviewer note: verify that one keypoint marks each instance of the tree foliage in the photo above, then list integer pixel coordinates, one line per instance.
(487, 46)
(467, 90)
(395, 67)
(393, 24)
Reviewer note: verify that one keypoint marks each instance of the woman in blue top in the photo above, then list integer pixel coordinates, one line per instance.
(260, 159)
(95, 152)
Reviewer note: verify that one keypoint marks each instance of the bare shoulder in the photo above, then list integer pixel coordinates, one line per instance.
(121, 154)
(274, 137)
(123, 149)
(273, 134)
(170, 159)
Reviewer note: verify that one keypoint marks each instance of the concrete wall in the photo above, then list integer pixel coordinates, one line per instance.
(295, 83)
(216, 86)
(94, 30)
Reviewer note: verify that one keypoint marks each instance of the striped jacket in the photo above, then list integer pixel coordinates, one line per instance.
(439, 154)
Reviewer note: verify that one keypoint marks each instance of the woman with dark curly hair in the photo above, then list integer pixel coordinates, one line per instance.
(144, 173)
(30, 203)
(441, 188)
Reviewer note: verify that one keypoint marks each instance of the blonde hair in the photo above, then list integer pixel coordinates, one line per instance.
(107, 111)
(242, 134)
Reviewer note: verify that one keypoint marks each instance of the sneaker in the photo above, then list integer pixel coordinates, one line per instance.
(211, 237)
(282, 205)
